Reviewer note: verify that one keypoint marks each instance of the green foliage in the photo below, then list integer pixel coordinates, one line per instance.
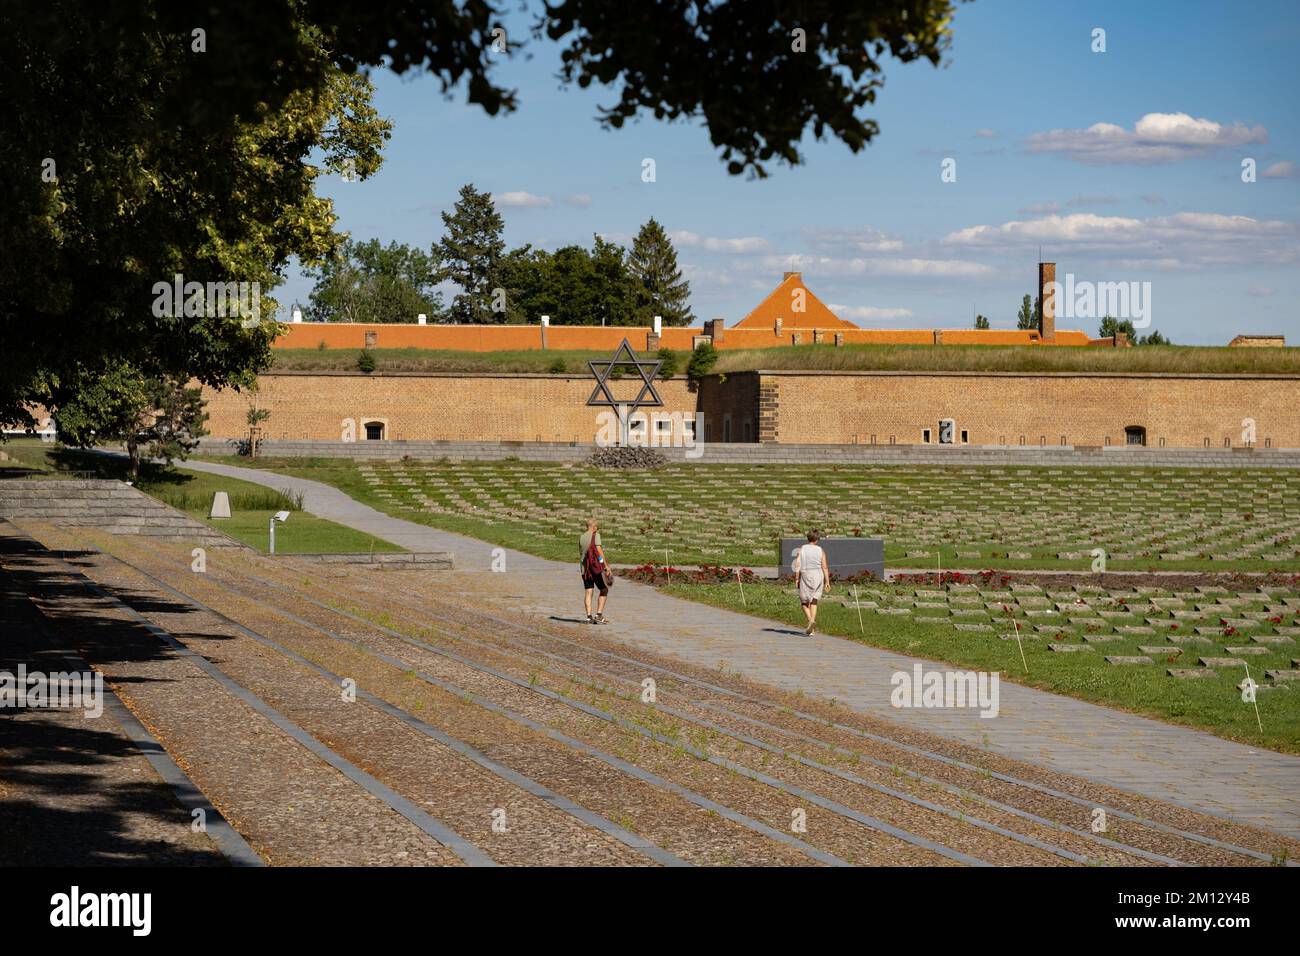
(109, 407)
(159, 415)
(196, 164)
(670, 362)
(702, 361)
(721, 63)
(571, 285)
(1111, 326)
(558, 366)
(365, 361)
(662, 290)
(1027, 318)
(470, 255)
(981, 321)
(370, 282)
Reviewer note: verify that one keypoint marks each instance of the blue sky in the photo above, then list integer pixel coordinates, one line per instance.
(1126, 166)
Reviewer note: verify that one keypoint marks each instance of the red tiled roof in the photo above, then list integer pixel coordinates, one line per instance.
(781, 304)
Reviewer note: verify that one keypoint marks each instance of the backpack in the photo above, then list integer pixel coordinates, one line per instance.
(591, 563)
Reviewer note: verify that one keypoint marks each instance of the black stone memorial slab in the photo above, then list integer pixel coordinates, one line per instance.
(846, 556)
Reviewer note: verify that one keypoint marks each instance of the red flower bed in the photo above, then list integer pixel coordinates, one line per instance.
(862, 577)
(983, 578)
(705, 574)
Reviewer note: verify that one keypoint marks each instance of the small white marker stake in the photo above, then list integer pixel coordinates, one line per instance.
(1254, 700)
(1020, 644)
(743, 602)
(667, 568)
(858, 605)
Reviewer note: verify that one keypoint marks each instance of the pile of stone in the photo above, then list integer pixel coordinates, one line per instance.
(626, 457)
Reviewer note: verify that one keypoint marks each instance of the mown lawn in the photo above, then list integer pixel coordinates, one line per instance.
(1212, 704)
(929, 516)
(303, 533)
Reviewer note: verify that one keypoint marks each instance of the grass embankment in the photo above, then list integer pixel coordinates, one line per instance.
(251, 505)
(1212, 704)
(1015, 358)
(902, 358)
(551, 361)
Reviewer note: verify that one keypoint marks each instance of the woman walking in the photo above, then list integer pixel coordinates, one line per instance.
(595, 572)
(813, 574)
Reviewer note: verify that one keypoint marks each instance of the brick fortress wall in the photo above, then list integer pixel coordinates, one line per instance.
(417, 407)
(785, 407)
(1052, 409)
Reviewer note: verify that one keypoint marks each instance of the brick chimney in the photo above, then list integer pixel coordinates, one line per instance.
(1047, 301)
(713, 329)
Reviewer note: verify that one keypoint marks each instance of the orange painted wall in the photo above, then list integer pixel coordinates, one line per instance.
(767, 338)
(474, 338)
(491, 338)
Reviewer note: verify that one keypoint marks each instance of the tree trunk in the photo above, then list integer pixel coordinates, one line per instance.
(133, 450)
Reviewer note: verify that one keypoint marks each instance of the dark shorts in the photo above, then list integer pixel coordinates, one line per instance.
(597, 582)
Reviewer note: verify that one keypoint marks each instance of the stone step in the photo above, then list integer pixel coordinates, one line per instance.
(108, 506)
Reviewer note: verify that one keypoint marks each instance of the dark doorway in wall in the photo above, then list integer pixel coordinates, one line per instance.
(374, 431)
(1135, 435)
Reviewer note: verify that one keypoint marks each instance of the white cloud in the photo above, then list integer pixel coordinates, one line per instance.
(1155, 138)
(522, 200)
(1184, 240)
(1262, 292)
(1040, 208)
(865, 239)
(826, 266)
(986, 133)
(743, 244)
(709, 277)
(1283, 170)
(869, 313)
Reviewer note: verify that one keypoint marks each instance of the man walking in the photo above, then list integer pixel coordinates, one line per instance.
(595, 572)
(813, 575)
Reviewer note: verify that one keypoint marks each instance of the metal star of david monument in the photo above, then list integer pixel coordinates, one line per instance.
(601, 395)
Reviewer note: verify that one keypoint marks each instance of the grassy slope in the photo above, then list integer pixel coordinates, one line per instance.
(1213, 704)
(251, 505)
(427, 360)
(1008, 358)
(971, 358)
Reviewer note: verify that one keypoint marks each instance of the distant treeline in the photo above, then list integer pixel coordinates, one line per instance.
(607, 284)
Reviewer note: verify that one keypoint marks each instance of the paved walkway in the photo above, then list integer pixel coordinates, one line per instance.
(1160, 760)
